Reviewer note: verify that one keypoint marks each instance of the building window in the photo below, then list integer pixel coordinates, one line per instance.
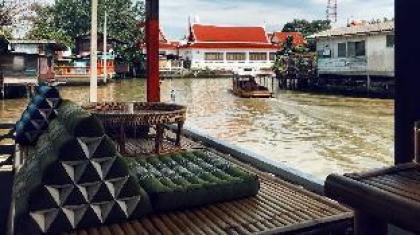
(273, 56)
(360, 48)
(342, 50)
(390, 40)
(356, 49)
(257, 56)
(325, 53)
(213, 56)
(238, 56)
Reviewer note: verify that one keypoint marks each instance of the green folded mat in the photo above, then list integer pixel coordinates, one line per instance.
(191, 179)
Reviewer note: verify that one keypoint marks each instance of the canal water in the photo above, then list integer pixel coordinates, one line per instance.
(317, 134)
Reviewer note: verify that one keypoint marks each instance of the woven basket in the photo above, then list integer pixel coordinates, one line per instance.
(113, 114)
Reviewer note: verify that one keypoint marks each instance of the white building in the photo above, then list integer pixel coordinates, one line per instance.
(228, 48)
(358, 50)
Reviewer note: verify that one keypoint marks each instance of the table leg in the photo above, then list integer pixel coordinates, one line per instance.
(122, 140)
(158, 138)
(179, 133)
(365, 224)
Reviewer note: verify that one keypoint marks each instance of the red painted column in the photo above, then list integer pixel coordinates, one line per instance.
(152, 47)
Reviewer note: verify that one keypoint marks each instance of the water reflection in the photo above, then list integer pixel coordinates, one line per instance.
(314, 133)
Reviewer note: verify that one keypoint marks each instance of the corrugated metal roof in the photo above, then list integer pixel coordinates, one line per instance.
(357, 29)
(27, 41)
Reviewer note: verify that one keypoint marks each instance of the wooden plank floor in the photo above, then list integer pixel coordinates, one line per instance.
(279, 207)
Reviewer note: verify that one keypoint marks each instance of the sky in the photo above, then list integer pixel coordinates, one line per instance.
(271, 13)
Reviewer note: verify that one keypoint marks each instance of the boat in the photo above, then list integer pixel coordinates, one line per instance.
(249, 83)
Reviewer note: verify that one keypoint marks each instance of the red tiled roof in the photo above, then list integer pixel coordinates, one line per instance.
(213, 33)
(241, 45)
(169, 45)
(298, 38)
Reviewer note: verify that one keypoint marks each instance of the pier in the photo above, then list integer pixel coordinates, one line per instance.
(17, 87)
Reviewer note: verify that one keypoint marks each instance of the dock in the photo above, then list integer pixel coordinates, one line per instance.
(16, 87)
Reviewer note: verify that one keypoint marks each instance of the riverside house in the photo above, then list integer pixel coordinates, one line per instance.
(30, 60)
(216, 47)
(361, 49)
(169, 59)
(76, 70)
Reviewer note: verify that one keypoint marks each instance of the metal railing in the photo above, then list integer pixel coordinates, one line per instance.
(74, 70)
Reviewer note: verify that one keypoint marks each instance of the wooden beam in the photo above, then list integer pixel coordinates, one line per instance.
(7, 125)
(365, 224)
(152, 47)
(7, 149)
(407, 98)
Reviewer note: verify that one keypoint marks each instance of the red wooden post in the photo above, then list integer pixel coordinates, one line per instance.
(152, 47)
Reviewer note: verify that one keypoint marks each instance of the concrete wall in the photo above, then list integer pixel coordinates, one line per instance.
(19, 65)
(197, 58)
(379, 59)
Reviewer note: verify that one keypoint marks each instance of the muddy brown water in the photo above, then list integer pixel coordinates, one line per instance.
(317, 134)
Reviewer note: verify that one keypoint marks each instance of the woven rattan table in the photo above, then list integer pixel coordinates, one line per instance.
(124, 115)
(380, 197)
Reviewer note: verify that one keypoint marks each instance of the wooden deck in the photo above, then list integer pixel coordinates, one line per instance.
(279, 208)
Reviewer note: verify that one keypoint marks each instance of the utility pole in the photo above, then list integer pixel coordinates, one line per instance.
(94, 53)
(105, 52)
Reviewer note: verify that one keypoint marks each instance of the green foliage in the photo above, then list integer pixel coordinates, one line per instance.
(307, 28)
(45, 28)
(68, 19)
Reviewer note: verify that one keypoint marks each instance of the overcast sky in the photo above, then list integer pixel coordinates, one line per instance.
(273, 13)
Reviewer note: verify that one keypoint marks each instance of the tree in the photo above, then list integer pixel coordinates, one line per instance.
(307, 28)
(44, 26)
(68, 19)
(7, 13)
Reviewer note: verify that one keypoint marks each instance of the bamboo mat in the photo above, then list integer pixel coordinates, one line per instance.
(280, 207)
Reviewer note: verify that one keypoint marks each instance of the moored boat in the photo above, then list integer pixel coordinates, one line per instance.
(245, 84)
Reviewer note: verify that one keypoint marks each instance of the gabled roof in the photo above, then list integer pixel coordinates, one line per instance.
(169, 45)
(357, 30)
(164, 43)
(214, 33)
(281, 37)
(225, 37)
